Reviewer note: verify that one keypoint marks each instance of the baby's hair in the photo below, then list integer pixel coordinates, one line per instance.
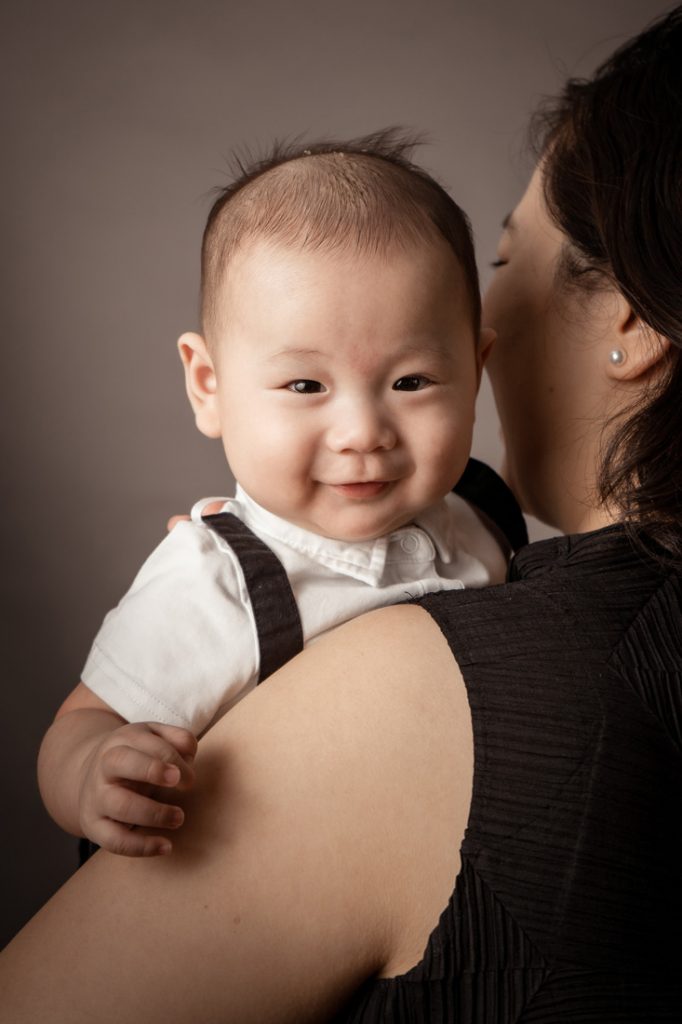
(364, 195)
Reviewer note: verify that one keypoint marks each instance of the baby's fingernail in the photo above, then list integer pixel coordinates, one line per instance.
(165, 849)
(171, 774)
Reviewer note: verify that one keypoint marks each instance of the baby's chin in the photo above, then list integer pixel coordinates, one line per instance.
(358, 533)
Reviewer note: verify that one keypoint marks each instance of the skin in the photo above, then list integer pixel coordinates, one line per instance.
(342, 384)
(343, 387)
(553, 348)
(321, 844)
(300, 870)
(99, 775)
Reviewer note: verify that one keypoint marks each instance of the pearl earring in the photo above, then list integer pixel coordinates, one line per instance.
(617, 357)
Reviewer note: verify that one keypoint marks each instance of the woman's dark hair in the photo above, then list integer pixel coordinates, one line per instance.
(611, 150)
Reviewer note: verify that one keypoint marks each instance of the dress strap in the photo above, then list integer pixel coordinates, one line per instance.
(488, 493)
(278, 622)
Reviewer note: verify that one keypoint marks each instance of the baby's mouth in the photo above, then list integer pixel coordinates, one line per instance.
(369, 489)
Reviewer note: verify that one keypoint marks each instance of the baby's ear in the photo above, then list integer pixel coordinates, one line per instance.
(486, 340)
(201, 383)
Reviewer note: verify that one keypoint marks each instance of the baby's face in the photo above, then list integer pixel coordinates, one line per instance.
(346, 383)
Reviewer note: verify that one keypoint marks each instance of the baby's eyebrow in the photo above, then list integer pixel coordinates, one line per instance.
(295, 353)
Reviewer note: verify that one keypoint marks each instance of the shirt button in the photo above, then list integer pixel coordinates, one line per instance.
(409, 543)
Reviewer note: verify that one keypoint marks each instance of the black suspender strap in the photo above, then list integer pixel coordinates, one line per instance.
(488, 493)
(278, 623)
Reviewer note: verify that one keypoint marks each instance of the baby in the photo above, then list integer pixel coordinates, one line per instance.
(339, 363)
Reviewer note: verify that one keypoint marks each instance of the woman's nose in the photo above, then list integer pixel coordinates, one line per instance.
(361, 427)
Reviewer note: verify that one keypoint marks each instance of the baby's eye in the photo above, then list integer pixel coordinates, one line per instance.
(415, 382)
(306, 387)
(498, 263)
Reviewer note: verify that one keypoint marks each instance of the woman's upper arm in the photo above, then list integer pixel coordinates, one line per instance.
(320, 846)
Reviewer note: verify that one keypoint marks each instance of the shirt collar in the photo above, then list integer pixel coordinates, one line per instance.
(363, 560)
(439, 523)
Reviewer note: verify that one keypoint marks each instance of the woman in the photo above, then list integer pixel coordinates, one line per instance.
(314, 876)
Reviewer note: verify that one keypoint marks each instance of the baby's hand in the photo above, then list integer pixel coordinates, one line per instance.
(211, 509)
(119, 787)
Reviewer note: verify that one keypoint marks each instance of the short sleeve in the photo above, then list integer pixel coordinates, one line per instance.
(180, 647)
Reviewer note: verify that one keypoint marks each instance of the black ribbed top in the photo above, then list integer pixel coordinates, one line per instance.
(568, 906)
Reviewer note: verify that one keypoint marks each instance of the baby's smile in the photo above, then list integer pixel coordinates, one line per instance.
(362, 490)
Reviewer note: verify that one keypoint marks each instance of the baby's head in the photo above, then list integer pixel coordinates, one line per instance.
(341, 349)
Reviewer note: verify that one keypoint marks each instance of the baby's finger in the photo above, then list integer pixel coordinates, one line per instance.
(133, 765)
(147, 739)
(129, 807)
(181, 740)
(174, 520)
(126, 842)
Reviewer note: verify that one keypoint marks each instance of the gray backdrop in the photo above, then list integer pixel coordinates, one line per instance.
(118, 118)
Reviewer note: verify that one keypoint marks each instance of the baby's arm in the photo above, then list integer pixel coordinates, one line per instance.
(100, 776)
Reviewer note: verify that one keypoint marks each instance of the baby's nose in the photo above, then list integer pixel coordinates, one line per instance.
(361, 427)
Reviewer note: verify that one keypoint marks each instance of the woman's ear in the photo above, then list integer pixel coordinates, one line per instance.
(635, 348)
(200, 382)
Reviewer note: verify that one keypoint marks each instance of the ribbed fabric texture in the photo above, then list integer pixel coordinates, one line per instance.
(568, 906)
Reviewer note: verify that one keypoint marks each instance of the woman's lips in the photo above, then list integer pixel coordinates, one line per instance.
(370, 489)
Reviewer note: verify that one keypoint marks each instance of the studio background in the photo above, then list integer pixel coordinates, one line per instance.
(118, 119)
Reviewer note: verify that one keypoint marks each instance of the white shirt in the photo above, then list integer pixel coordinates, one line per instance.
(181, 647)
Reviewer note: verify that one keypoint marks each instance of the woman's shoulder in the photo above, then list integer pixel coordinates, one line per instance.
(380, 709)
(320, 845)
(562, 593)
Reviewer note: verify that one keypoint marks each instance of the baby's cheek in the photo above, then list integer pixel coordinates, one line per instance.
(448, 463)
(279, 473)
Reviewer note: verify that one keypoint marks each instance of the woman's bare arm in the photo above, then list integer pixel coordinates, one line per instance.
(320, 846)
